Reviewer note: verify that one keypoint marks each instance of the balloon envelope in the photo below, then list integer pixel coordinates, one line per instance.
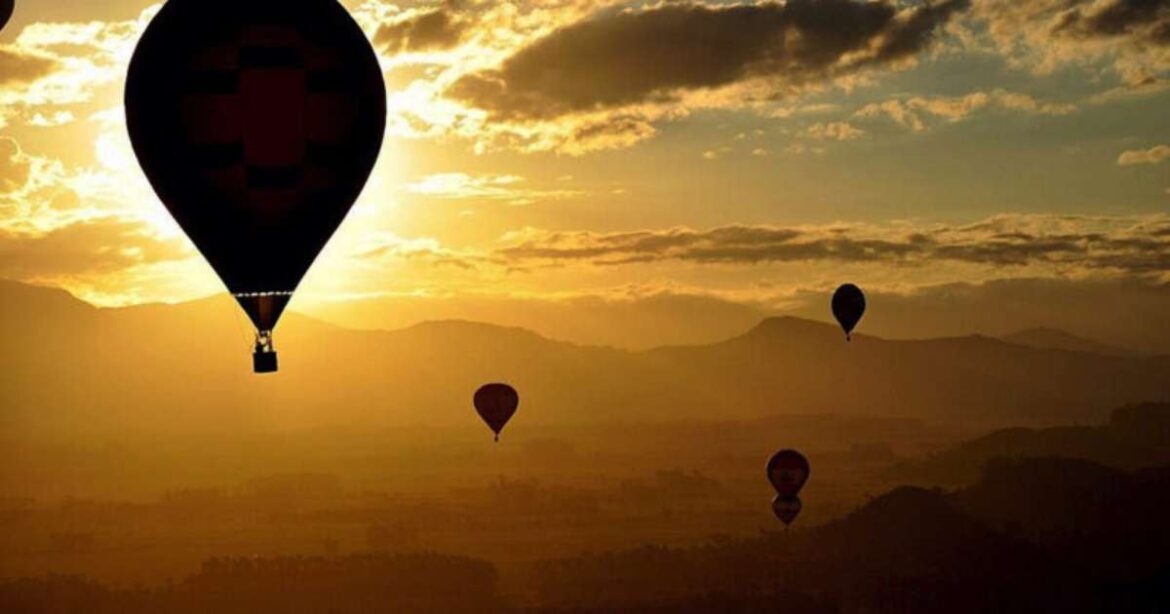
(257, 123)
(6, 8)
(848, 307)
(788, 470)
(786, 508)
(496, 404)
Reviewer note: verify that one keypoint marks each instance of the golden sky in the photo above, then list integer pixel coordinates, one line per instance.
(757, 153)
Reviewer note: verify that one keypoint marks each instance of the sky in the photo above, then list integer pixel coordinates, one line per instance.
(751, 153)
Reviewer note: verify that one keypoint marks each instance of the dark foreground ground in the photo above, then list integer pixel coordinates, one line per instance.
(1069, 519)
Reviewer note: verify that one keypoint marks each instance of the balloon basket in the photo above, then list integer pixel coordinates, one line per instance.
(264, 362)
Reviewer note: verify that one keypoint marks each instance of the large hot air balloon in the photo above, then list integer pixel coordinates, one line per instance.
(848, 307)
(786, 508)
(496, 404)
(257, 123)
(788, 471)
(6, 8)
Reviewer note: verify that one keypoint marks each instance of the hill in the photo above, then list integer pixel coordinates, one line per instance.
(634, 323)
(176, 367)
(1056, 339)
(1136, 436)
(1048, 535)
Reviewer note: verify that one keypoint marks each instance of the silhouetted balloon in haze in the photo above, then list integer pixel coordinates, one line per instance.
(496, 404)
(258, 123)
(6, 9)
(788, 470)
(848, 307)
(786, 508)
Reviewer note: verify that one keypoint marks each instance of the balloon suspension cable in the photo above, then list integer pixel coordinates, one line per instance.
(242, 326)
(264, 342)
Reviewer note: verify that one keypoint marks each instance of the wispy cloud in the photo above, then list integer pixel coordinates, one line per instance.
(1126, 245)
(421, 30)
(1131, 38)
(462, 186)
(834, 131)
(22, 66)
(1152, 155)
(913, 112)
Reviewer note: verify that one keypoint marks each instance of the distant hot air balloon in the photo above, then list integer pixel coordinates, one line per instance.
(257, 123)
(496, 403)
(786, 508)
(6, 8)
(788, 470)
(848, 307)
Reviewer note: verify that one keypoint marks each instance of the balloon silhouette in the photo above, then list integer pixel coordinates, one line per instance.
(786, 508)
(257, 123)
(788, 470)
(496, 404)
(848, 307)
(6, 9)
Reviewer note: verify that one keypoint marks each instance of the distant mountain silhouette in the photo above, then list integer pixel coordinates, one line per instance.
(634, 323)
(187, 365)
(1056, 339)
(1136, 436)
(791, 363)
(1107, 522)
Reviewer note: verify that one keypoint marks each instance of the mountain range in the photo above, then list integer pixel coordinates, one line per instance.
(68, 364)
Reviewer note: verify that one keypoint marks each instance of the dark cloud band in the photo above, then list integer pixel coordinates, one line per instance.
(1142, 248)
(631, 57)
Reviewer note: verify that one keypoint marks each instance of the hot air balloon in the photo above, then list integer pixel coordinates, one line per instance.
(6, 8)
(848, 307)
(496, 404)
(788, 471)
(257, 123)
(786, 508)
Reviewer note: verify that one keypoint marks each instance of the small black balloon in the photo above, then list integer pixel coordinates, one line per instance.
(496, 404)
(788, 470)
(786, 508)
(848, 307)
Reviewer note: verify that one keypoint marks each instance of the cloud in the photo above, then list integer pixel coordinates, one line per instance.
(86, 247)
(1141, 20)
(834, 131)
(95, 230)
(427, 30)
(1073, 245)
(1152, 155)
(1131, 38)
(20, 66)
(461, 186)
(634, 57)
(896, 110)
(913, 112)
(15, 166)
(51, 65)
(387, 246)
